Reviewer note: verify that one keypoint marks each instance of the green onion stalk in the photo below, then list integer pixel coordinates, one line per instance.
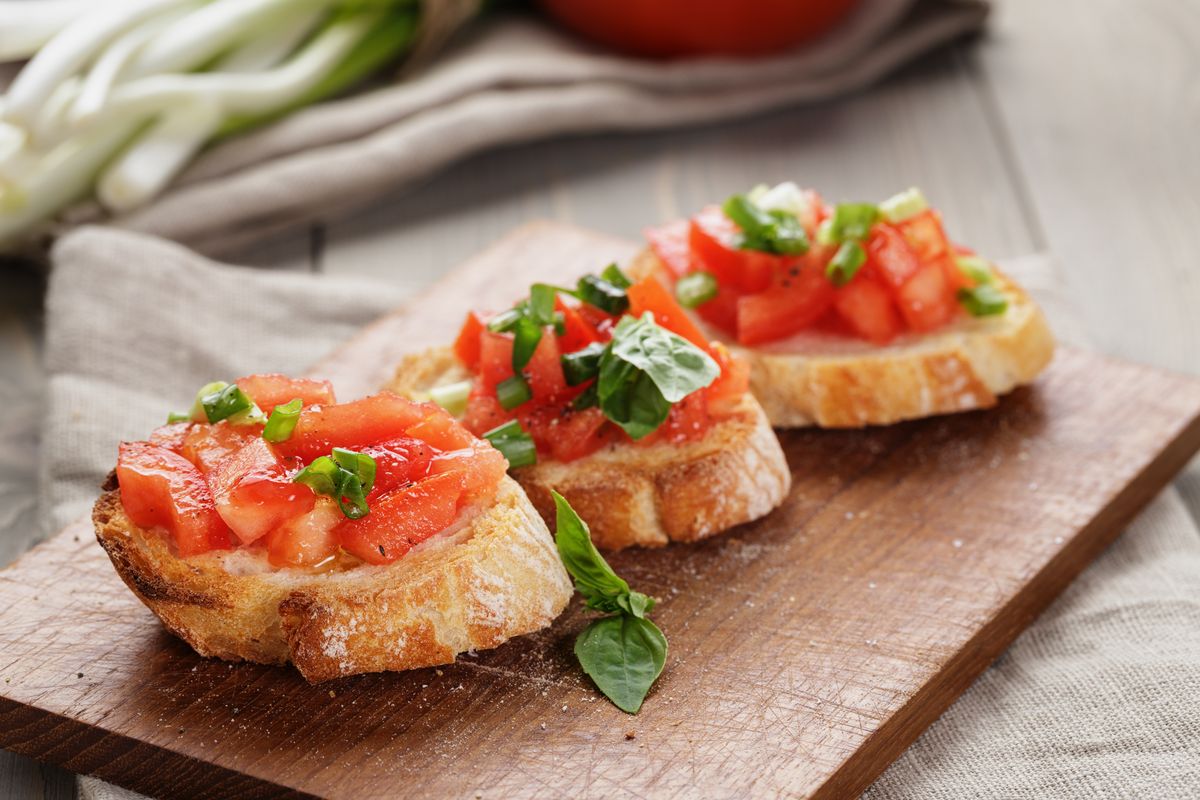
(119, 96)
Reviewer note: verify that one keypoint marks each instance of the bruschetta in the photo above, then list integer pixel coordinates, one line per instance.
(850, 315)
(607, 393)
(273, 524)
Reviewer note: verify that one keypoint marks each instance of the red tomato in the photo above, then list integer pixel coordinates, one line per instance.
(308, 539)
(544, 372)
(441, 430)
(466, 346)
(171, 436)
(484, 412)
(402, 519)
(955, 278)
(734, 381)
(713, 240)
(602, 322)
(650, 295)
(865, 304)
(722, 310)
(268, 391)
(398, 462)
(566, 434)
(161, 488)
(670, 244)
(925, 300)
(578, 333)
(688, 420)
(925, 236)
(352, 425)
(479, 465)
(254, 492)
(207, 445)
(495, 359)
(889, 255)
(785, 309)
(699, 27)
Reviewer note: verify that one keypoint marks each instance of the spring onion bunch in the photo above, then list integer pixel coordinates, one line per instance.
(118, 96)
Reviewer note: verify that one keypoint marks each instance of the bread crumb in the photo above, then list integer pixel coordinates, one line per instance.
(332, 693)
(630, 735)
(439, 673)
(78, 674)
(564, 708)
(543, 726)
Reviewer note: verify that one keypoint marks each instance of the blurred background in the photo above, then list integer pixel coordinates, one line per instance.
(1064, 127)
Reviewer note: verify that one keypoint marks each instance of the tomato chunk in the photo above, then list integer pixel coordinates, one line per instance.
(398, 463)
(544, 371)
(925, 299)
(254, 492)
(649, 294)
(578, 332)
(308, 539)
(734, 381)
(714, 241)
(402, 519)
(670, 244)
(925, 235)
(161, 488)
(171, 436)
(206, 445)
(271, 390)
(466, 346)
(785, 309)
(867, 307)
(495, 359)
(722, 310)
(352, 425)
(479, 465)
(889, 255)
(484, 412)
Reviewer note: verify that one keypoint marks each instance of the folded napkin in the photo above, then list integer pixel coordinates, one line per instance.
(513, 78)
(1097, 699)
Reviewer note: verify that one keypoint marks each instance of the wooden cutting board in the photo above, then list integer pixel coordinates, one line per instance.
(807, 650)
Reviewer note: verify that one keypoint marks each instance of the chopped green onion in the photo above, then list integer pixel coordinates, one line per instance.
(975, 268)
(178, 416)
(230, 403)
(603, 294)
(852, 221)
(695, 289)
(588, 398)
(502, 323)
(282, 421)
(541, 303)
(583, 364)
(513, 443)
(452, 397)
(775, 231)
(984, 300)
(346, 476)
(560, 323)
(526, 335)
(825, 232)
(785, 196)
(513, 392)
(845, 263)
(613, 274)
(904, 205)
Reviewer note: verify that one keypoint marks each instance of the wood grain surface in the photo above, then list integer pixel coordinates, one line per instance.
(807, 650)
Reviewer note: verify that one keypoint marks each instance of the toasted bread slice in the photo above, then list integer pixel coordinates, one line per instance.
(835, 382)
(646, 495)
(494, 575)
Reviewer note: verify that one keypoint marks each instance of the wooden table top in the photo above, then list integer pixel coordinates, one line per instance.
(1028, 140)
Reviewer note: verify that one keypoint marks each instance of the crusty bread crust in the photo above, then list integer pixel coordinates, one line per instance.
(495, 575)
(646, 495)
(834, 383)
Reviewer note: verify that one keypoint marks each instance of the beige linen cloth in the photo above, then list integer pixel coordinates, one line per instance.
(507, 79)
(1100, 698)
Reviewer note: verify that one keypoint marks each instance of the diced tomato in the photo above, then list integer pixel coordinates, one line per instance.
(268, 391)
(495, 359)
(161, 488)
(254, 492)
(925, 236)
(544, 372)
(480, 466)
(602, 322)
(722, 309)
(713, 238)
(566, 434)
(578, 333)
(399, 462)
(925, 300)
(889, 255)
(733, 382)
(955, 278)
(207, 445)
(670, 244)
(785, 309)
(866, 305)
(171, 436)
(649, 294)
(688, 420)
(308, 539)
(441, 430)
(484, 412)
(402, 519)
(352, 425)
(466, 346)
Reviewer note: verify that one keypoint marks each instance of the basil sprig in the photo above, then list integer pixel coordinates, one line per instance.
(644, 370)
(771, 231)
(344, 475)
(623, 653)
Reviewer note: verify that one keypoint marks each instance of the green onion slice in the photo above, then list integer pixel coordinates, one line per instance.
(283, 420)
(321, 476)
(178, 416)
(452, 397)
(527, 333)
(541, 303)
(775, 231)
(582, 365)
(845, 263)
(613, 274)
(361, 465)
(984, 300)
(514, 444)
(975, 268)
(695, 288)
(344, 475)
(905, 205)
(231, 403)
(502, 323)
(513, 392)
(852, 221)
(602, 294)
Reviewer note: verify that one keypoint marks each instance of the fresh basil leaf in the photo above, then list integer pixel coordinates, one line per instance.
(623, 655)
(588, 398)
(594, 578)
(629, 397)
(635, 603)
(676, 366)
